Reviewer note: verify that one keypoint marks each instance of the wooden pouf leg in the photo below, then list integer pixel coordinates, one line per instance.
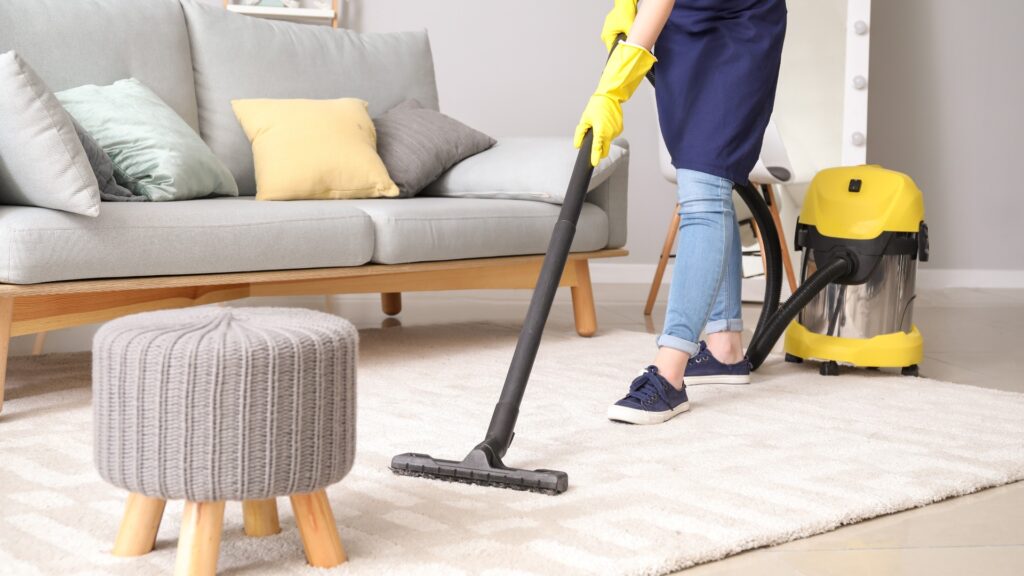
(199, 540)
(260, 517)
(319, 532)
(139, 526)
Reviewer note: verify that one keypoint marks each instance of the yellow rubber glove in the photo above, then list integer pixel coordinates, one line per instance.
(618, 21)
(623, 73)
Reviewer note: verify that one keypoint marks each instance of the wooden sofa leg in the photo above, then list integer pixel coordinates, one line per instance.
(39, 344)
(583, 300)
(391, 303)
(6, 315)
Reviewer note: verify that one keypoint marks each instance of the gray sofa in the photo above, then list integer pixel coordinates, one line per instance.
(198, 57)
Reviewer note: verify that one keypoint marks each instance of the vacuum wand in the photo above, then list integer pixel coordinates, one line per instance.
(500, 432)
(483, 464)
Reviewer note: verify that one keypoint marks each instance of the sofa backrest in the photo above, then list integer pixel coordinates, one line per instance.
(76, 42)
(239, 57)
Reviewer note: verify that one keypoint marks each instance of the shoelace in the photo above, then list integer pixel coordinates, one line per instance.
(642, 386)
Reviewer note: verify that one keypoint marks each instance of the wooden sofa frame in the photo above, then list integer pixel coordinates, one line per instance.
(38, 308)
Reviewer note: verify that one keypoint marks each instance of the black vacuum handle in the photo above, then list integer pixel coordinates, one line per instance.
(506, 412)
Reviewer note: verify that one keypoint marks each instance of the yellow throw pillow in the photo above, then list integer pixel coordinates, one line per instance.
(314, 149)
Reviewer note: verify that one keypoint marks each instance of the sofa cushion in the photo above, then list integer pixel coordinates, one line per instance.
(101, 41)
(239, 57)
(418, 144)
(103, 168)
(531, 168)
(155, 153)
(190, 237)
(42, 161)
(426, 229)
(314, 149)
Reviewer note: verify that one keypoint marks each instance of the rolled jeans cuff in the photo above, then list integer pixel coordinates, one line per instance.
(731, 325)
(677, 343)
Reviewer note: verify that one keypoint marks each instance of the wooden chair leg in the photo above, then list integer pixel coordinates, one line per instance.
(6, 315)
(199, 540)
(260, 517)
(39, 343)
(666, 254)
(760, 243)
(137, 535)
(328, 304)
(391, 303)
(583, 309)
(787, 261)
(318, 529)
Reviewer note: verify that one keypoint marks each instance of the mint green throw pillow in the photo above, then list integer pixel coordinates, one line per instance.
(155, 153)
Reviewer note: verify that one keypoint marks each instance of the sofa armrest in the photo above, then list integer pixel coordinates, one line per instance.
(521, 169)
(612, 196)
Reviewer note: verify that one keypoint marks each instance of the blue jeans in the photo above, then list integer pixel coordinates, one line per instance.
(706, 282)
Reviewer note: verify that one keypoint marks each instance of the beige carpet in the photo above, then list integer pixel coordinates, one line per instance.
(794, 454)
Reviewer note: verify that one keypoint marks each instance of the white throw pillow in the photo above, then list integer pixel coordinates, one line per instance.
(521, 169)
(42, 161)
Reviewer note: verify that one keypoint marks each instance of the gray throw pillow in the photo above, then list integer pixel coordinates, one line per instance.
(103, 168)
(42, 162)
(418, 145)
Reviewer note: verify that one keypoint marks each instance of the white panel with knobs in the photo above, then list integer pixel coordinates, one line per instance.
(855, 97)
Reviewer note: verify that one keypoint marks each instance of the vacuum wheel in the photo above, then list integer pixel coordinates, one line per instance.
(829, 368)
(793, 359)
(911, 370)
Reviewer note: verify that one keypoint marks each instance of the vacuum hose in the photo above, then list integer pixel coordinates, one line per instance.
(768, 331)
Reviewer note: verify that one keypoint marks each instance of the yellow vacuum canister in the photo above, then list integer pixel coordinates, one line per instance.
(874, 218)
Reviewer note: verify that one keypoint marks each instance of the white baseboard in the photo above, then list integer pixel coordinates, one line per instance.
(967, 278)
(927, 279)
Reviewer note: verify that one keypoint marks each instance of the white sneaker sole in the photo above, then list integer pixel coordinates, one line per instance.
(719, 379)
(643, 417)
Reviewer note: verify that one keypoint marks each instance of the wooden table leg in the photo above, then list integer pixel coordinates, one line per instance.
(199, 540)
(318, 529)
(260, 517)
(137, 535)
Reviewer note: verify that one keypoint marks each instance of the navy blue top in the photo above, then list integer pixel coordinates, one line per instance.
(718, 66)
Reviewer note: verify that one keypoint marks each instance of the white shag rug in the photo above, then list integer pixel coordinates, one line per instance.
(792, 455)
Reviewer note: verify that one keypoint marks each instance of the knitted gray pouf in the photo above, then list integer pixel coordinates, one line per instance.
(207, 404)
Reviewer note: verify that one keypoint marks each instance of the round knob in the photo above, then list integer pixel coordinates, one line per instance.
(858, 139)
(860, 82)
(860, 27)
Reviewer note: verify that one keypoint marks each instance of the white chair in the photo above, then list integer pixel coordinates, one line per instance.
(773, 167)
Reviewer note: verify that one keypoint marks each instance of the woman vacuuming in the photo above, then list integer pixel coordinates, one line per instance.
(717, 66)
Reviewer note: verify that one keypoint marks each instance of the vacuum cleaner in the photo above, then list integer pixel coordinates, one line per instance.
(861, 232)
(873, 219)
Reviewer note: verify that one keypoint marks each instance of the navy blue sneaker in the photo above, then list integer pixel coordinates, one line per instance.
(651, 400)
(704, 368)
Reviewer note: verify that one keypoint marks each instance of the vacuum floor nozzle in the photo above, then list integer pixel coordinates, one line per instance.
(482, 468)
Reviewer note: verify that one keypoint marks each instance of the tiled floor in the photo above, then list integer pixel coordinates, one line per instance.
(972, 337)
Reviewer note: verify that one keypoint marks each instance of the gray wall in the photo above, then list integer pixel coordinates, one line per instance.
(947, 90)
